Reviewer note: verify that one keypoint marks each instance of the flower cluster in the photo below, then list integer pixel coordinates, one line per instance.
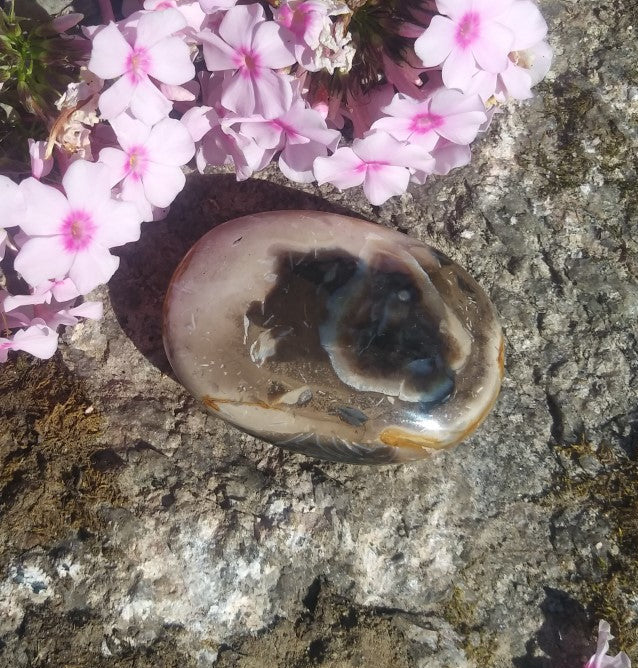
(378, 93)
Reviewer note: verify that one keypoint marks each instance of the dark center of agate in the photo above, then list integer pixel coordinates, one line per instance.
(373, 314)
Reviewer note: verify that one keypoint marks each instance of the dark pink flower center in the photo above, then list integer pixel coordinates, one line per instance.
(136, 162)
(77, 230)
(468, 29)
(138, 64)
(248, 62)
(424, 123)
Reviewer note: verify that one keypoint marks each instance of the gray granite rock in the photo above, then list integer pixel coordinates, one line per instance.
(139, 530)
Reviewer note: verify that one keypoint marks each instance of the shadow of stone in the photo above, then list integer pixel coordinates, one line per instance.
(137, 289)
(565, 636)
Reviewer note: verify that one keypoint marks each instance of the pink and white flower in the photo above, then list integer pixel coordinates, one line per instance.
(378, 161)
(148, 164)
(71, 235)
(251, 50)
(471, 35)
(149, 49)
(446, 113)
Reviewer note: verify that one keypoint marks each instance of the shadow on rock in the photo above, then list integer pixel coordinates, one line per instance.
(564, 636)
(137, 289)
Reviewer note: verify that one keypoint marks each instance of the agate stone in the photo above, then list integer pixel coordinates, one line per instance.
(334, 337)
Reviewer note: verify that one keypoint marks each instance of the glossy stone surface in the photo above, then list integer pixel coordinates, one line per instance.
(334, 337)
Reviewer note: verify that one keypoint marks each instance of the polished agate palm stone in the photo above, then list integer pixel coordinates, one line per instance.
(333, 337)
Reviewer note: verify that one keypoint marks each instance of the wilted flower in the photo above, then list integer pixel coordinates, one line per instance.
(600, 659)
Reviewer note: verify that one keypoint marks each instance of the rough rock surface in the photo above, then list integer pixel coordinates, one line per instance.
(139, 531)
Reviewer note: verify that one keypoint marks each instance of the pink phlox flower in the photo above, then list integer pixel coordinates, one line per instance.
(71, 235)
(469, 37)
(301, 134)
(251, 50)
(40, 164)
(148, 164)
(447, 114)
(600, 659)
(133, 54)
(38, 340)
(378, 161)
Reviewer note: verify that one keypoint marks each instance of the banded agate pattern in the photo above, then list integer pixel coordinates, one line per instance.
(334, 337)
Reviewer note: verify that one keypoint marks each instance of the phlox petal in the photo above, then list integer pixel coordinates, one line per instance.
(109, 53)
(87, 185)
(382, 182)
(458, 69)
(154, 26)
(436, 43)
(218, 55)
(542, 55)
(46, 207)
(448, 156)
(517, 81)
(526, 22)
(148, 104)
(491, 50)
(170, 143)
(117, 161)
(133, 192)
(453, 8)
(273, 94)
(130, 131)
(38, 340)
(42, 258)
(376, 146)
(296, 161)
(239, 23)
(91, 310)
(92, 267)
(490, 9)
(115, 99)
(118, 223)
(170, 61)
(211, 6)
(344, 169)
(199, 121)
(239, 95)
(40, 164)
(269, 42)
(12, 204)
(162, 183)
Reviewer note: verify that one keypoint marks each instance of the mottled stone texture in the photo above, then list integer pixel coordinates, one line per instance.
(139, 531)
